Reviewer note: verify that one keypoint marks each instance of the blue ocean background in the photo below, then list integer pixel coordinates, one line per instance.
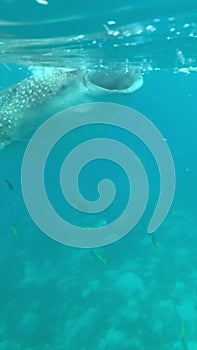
(56, 297)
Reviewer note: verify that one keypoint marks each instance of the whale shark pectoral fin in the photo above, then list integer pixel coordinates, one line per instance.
(114, 81)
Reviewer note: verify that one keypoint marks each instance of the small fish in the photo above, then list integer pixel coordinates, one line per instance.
(13, 228)
(183, 338)
(177, 214)
(154, 241)
(183, 330)
(11, 187)
(25, 265)
(97, 223)
(98, 257)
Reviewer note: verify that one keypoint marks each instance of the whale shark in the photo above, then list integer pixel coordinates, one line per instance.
(46, 91)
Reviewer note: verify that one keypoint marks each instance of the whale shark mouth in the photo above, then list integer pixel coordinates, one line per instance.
(113, 81)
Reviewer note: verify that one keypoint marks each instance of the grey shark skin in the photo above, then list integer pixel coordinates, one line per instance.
(36, 98)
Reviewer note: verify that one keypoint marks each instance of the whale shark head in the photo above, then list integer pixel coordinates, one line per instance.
(50, 90)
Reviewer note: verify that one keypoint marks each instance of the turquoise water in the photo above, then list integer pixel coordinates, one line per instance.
(143, 296)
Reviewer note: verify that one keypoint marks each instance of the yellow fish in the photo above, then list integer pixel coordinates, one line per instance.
(177, 214)
(26, 264)
(183, 338)
(183, 330)
(154, 241)
(99, 257)
(13, 228)
(97, 223)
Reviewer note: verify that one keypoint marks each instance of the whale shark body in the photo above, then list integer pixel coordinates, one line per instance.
(48, 90)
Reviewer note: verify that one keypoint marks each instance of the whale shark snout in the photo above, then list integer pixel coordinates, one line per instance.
(34, 99)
